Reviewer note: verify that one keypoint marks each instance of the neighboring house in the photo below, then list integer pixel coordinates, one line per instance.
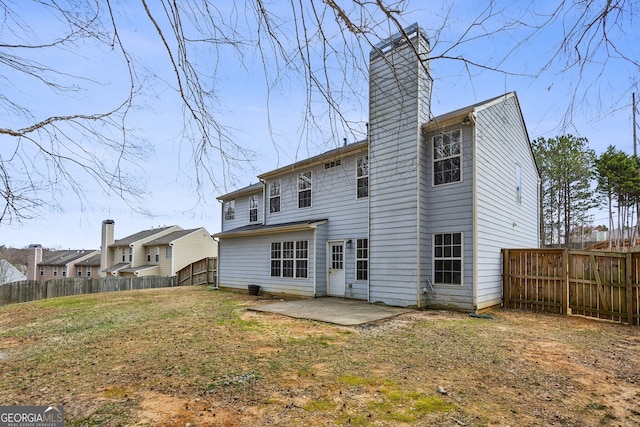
(154, 252)
(416, 215)
(8, 273)
(55, 264)
(90, 267)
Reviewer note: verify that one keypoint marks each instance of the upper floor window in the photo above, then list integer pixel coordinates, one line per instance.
(89, 271)
(124, 257)
(447, 258)
(229, 210)
(157, 254)
(169, 253)
(42, 270)
(55, 271)
(446, 157)
(274, 196)
(362, 176)
(79, 271)
(64, 271)
(148, 254)
(304, 189)
(253, 208)
(130, 254)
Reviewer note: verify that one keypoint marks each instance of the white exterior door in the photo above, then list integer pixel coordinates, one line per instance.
(336, 269)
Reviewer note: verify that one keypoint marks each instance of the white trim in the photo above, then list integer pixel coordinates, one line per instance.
(433, 260)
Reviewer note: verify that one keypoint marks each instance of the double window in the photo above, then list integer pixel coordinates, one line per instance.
(447, 250)
(362, 259)
(290, 259)
(447, 154)
(229, 209)
(362, 176)
(304, 189)
(253, 208)
(274, 196)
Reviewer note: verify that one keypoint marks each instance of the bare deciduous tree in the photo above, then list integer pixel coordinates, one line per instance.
(63, 137)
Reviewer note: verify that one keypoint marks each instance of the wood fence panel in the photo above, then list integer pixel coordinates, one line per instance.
(202, 272)
(604, 285)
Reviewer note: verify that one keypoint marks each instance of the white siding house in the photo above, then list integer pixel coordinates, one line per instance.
(416, 215)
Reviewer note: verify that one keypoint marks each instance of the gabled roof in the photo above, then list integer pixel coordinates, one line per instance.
(138, 268)
(249, 189)
(91, 261)
(255, 229)
(168, 238)
(8, 273)
(64, 257)
(126, 241)
(116, 267)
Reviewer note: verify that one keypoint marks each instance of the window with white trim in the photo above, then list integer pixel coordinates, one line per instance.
(229, 209)
(157, 254)
(64, 271)
(362, 176)
(79, 271)
(130, 254)
(362, 259)
(124, 257)
(89, 271)
(447, 258)
(55, 271)
(304, 189)
(447, 155)
(148, 254)
(253, 208)
(274, 196)
(42, 270)
(290, 259)
(169, 252)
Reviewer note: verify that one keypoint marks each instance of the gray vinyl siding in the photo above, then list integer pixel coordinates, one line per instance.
(398, 103)
(241, 215)
(247, 260)
(450, 210)
(502, 222)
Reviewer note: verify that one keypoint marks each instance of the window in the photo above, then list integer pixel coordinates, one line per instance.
(169, 253)
(446, 157)
(148, 254)
(304, 189)
(362, 259)
(89, 271)
(55, 271)
(333, 164)
(253, 208)
(448, 258)
(42, 270)
(362, 177)
(290, 259)
(518, 184)
(130, 254)
(229, 210)
(79, 273)
(64, 271)
(274, 196)
(124, 258)
(157, 254)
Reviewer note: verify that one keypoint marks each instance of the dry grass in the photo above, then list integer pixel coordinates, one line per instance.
(189, 355)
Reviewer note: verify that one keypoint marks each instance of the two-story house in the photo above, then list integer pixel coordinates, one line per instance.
(57, 264)
(416, 215)
(161, 251)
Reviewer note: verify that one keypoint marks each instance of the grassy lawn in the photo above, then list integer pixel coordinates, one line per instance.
(191, 355)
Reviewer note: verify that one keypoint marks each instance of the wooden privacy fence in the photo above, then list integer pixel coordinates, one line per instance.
(604, 285)
(203, 272)
(31, 290)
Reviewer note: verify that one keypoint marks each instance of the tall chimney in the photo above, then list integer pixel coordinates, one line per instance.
(35, 257)
(108, 226)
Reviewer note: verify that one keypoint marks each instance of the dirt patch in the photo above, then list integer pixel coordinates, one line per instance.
(191, 356)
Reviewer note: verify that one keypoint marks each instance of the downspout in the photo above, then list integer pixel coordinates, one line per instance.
(474, 208)
(173, 259)
(315, 258)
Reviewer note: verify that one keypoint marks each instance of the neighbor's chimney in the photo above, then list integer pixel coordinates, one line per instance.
(35, 257)
(108, 226)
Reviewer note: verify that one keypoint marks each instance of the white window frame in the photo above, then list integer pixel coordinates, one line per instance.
(275, 192)
(157, 253)
(448, 253)
(55, 271)
(42, 270)
(229, 208)
(124, 255)
(130, 254)
(362, 175)
(148, 254)
(362, 259)
(253, 208)
(446, 156)
(169, 252)
(79, 271)
(305, 185)
(88, 271)
(289, 259)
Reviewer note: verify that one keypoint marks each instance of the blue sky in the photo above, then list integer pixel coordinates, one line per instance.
(270, 122)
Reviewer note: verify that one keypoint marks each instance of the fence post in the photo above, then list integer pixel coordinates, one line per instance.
(565, 281)
(630, 270)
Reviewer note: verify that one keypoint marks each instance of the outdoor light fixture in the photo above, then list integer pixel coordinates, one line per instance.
(349, 244)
